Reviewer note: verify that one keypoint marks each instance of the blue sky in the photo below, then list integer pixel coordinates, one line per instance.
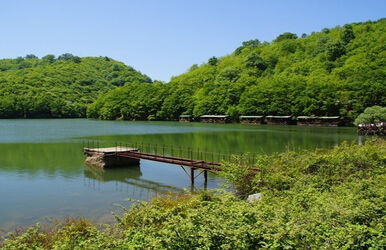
(164, 38)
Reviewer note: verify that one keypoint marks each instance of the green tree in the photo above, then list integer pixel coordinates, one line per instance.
(347, 34)
(193, 67)
(251, 43)
(285, 36)
(31, 56)
(230, 73)
(76, 59)
(334, 50)
(49, 58)
(371, 115)
(66, 56)
(254, 60)
(213, 61)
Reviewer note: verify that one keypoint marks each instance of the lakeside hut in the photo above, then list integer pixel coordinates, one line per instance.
(279, 120)
(331, 121)
(185, 118)
(215, 118)
(252, 119)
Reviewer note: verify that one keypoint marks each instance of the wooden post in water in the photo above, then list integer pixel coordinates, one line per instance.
(192, 176)
(205, 179)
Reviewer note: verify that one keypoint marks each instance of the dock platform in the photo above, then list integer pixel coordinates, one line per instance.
(121, 156)
(109, 150)
(108, 157)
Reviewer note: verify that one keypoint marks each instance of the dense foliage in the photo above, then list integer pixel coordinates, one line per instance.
(372, 115)
(62, 87)
(333, 199)
(338, 71)
(134, 101)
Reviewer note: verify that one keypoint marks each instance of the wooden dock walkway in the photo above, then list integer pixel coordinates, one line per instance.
(134, 153)
(198, 160)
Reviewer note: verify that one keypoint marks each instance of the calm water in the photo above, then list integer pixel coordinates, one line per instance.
(42, 171)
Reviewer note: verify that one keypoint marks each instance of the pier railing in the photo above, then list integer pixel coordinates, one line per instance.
(191, 153)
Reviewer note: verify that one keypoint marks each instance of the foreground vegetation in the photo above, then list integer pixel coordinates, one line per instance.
(322, 199)
(58, 87)
(338, 71)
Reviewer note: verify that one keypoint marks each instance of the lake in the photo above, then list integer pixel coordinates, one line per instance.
(42, 171)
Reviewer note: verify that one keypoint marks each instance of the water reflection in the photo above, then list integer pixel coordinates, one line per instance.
(127, 179)
(32, 159)
(259, 139)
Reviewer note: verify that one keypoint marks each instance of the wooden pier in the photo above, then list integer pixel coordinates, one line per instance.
(126, 154)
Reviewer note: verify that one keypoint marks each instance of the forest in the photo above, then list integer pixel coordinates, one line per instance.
(337, 71)
(59, 87)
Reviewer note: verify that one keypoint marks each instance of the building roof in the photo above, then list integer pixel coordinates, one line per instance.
(279, 117)
(250, 116)
(307, 117)
(318, 117)
(185, 116)
(214, 116)
(329, 117)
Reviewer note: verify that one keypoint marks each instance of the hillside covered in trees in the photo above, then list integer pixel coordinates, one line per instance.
(338, 71)
(58, 87)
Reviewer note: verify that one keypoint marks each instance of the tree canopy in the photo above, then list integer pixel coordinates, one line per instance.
(62, 87)
(338, 71)
(372, 115)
